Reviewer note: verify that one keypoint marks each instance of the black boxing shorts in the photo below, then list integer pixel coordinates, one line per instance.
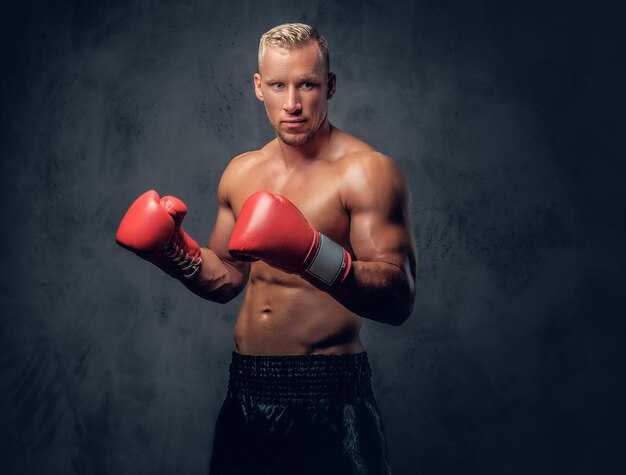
(312, 414)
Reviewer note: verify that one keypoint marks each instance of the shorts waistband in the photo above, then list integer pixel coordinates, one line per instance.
(283, 380)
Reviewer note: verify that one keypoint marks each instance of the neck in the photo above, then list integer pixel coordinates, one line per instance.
(295, 154)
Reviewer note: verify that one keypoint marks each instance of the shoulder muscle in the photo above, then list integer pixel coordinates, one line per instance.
(233, 173)
(373, 182)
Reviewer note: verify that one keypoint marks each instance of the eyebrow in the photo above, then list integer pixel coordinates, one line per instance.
(310, 78)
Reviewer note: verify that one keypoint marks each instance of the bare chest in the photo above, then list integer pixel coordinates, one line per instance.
(314, 189)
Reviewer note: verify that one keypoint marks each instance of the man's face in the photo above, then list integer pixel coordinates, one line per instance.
(295, 88)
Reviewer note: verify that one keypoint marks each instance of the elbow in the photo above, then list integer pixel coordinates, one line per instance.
(400, 316)
(399, 319)
(227, 293)
(405, 301)
(392, 312)
(222, 294)
(220, 298)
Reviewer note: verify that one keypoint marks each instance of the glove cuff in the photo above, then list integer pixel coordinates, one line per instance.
(330, 264)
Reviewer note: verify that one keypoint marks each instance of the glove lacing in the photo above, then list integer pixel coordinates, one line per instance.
(182, 259)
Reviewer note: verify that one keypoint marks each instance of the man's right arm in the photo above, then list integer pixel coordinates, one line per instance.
(220, 277)
(152, 229)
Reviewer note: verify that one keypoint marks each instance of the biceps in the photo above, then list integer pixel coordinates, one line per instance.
(376, 239)
(224, 224)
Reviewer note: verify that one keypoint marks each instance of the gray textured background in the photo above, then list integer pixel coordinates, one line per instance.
(506, 122)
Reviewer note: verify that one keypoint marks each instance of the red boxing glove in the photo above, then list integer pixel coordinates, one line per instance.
(151, 228)
(271, 228)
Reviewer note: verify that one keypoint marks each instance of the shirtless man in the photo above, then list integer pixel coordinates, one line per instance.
(316, 224)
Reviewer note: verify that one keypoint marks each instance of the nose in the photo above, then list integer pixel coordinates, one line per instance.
(292, 103)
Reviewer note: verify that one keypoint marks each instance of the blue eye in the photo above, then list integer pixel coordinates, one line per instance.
(307, 85)
(279, 86)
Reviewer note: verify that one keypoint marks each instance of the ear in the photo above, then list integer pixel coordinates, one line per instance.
(332, 84)
(257, 87)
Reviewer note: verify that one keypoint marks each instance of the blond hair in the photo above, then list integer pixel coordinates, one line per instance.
(292, 36)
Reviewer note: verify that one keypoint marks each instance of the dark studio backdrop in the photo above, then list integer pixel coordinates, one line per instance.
(506, 120)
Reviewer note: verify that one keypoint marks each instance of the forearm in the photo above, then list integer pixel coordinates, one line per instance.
(378, 291)
(217, 279)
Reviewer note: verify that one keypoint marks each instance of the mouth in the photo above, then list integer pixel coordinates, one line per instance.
(292, 123)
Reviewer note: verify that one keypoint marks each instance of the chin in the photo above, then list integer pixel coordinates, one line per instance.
(295, 140)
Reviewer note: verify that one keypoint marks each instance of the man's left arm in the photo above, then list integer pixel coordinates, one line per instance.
(381, 283)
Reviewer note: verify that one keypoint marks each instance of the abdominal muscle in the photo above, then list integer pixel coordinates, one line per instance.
(284, 315)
